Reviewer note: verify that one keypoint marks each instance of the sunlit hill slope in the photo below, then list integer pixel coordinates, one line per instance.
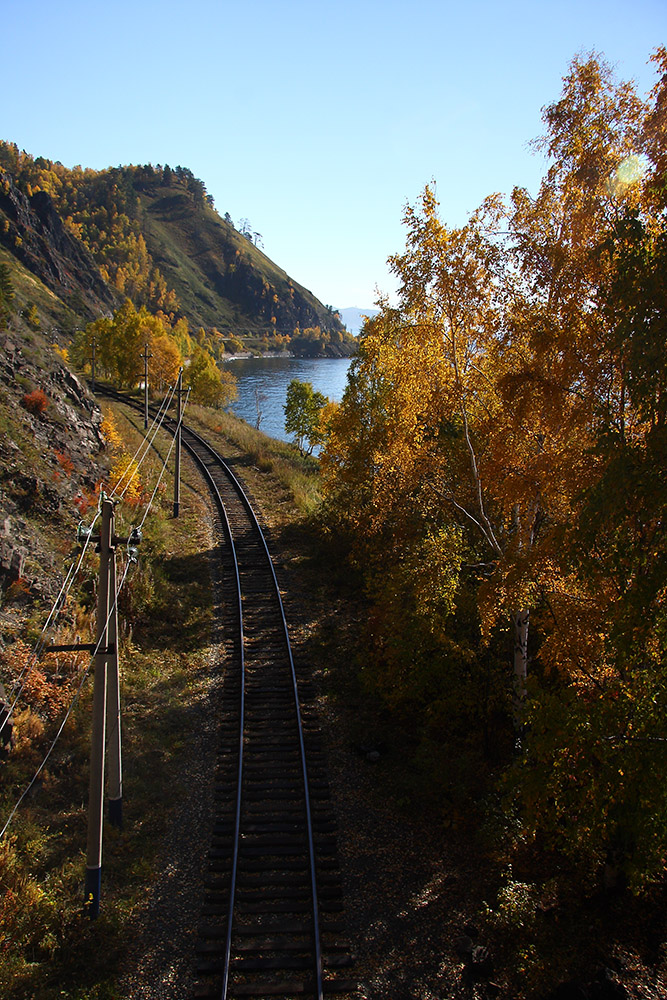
(78, 242)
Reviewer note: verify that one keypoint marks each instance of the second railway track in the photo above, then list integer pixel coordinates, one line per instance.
(272, 913)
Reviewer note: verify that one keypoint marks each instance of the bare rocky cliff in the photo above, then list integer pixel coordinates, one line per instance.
(34, 233)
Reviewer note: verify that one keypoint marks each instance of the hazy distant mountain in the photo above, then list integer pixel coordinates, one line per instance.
(353, 318)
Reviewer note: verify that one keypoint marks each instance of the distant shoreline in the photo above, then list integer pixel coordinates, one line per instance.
(244, 355)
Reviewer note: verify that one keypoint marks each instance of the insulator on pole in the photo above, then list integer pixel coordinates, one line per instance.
(83, 533)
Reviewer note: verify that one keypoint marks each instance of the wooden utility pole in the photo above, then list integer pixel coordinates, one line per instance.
(115, 776)
(106, 699)
(177, 468)
(146, 356)
(105, 601)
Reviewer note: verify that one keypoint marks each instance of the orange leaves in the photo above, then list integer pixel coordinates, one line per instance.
(86, 500)
(35, 402)
(65, 462)
(45, 684)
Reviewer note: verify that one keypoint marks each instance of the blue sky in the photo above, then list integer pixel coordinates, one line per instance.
(317, 121)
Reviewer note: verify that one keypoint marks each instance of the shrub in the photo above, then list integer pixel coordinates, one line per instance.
(35, 402)
(110, 431)
(32, 317)
(65, 463)
(124, 478)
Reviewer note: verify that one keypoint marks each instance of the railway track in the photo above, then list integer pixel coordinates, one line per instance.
(272, 913)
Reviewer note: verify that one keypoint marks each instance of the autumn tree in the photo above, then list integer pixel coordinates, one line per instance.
(303, 407)
(503, 427)
(600, 708)
(165, 358)
(165, 361)
(181, 335)
(121, 345)
(446, 451)
(120, 342)
(209, 385)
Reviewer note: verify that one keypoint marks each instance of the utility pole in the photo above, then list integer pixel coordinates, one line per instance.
(146, 356)
(106, 699)
(93, 882)
(115, 777)
(177, 469)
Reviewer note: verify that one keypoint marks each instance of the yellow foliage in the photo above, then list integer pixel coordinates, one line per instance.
(74, 227)
(124, 479)
(473, 404)
(110, 432)
(28, 727)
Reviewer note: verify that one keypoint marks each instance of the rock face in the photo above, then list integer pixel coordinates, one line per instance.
(38, 238)
(47, 458)
(12, 555)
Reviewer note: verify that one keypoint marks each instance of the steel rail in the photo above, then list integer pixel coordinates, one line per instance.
(239, 790)
(302, 749)
(170, 424)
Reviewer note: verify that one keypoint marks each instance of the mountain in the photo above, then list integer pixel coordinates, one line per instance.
(353, 318)
(78, 242)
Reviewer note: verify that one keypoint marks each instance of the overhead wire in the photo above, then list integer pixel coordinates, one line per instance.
(69, 580)
(72, 704)
(164, 464)
(58, 605)
(19, 683)
(147, 440)
(134, 464)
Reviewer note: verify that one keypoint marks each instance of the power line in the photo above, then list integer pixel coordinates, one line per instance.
(58, 605)
(73, 703)
(145, 445)
(86, 534)
(165, 463)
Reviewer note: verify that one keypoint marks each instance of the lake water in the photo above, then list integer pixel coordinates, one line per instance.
(264, 382)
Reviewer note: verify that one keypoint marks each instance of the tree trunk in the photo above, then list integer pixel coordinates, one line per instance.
(521, 621)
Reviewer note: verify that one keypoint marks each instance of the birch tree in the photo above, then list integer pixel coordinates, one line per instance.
(444, 444)
(506, 423)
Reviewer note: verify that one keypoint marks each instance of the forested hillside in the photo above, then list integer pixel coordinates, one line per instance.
(151, 235)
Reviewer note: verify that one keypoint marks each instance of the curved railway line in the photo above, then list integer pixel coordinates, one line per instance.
(272, 912)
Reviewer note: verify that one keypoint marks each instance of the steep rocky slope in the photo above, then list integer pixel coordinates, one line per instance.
(33, 232)
(51, 448)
